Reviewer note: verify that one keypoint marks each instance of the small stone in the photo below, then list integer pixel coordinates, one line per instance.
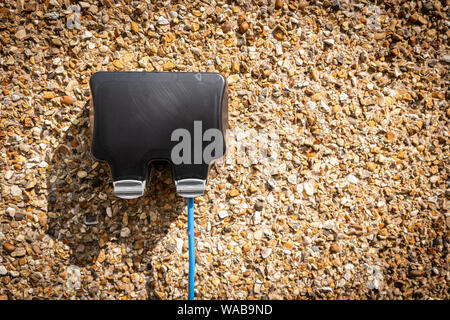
(90, 219)
(257, 235)
(9, 247)
(226, 27)
(3, 271)
(125, 232)
(336, 5)
(67, 100)
(21, 34)
(16, 191)
(233, 193)
(43, 221)
(379, 35)
(57, 42)
(243, 27)
(43, 164)
(257, 217)
(134, 27)
(168, 66)
(118, 64)
(234, 278)
(49, 95)
(139, 244)
(446, 58)
(82, 174)
(302, 4)
(278, 49)
(8, 175)
(292, 179)
(11, 212)
(390, 136)
(307, 240)
(329, 42)
(308, 188)
(259, 205)
(86, 35)
(334, 248)
(352, 179)
(163, 21)
(59, 70)
(101, 256)
(179, 245)
(343, 97)
(20, 252)
(103, 49)
(315, 74)
(266, 252)
(434, 179)
(423, 20)
(252, 188)
(223, 214)
(279, 4)
(329, 224)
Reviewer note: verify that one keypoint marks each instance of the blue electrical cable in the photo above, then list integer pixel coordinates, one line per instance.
(191, 247)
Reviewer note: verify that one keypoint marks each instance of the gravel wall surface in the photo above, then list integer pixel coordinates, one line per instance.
(356, 206)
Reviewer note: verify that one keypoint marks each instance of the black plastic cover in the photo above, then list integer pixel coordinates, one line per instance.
(135, 114)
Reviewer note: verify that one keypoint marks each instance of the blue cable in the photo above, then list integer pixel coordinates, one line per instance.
(191, 247)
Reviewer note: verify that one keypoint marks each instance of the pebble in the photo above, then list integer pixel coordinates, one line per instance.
(329, 224)
(265, 253)
(334, 248)
(315, 74)
(9, 247)
(21, 34)
(257, 235)
(257, 218)
(125, 232)
(226, 27)
(3, 271)
(163, 21)
(279, 4)
(329, 42)
(243, 27)
(259, 205)
(67, 100)
(223, 214)
(8, 174)
(82, 174)
(352, 179)
(11, 212)
(86, 35)
(16, 191)
(19, 253)
(292, 179)
(308, 188)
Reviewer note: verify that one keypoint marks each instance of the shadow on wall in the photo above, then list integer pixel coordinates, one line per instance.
(85, 215)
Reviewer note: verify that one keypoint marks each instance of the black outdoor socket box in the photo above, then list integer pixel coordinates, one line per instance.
(135, 114)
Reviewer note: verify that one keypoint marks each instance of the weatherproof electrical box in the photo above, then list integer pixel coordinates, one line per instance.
(139, 117)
